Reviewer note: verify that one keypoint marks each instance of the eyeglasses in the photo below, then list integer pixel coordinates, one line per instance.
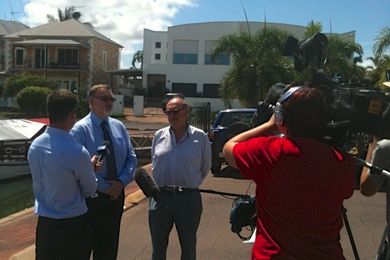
(175, 111)
(105, 98)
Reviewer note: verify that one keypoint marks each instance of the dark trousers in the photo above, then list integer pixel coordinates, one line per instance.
(62, 239)
(384, 247)
(105, 217)
(183, 209)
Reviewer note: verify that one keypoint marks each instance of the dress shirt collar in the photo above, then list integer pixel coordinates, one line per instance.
(187, 133)
(59, 131)
(97, 120)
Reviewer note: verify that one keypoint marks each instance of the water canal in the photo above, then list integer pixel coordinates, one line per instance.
(17, 195)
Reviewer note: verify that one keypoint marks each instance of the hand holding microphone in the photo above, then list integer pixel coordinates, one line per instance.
(147, 183)
(103, 150)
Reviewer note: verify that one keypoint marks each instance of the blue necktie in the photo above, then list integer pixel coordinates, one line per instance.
(110, 161)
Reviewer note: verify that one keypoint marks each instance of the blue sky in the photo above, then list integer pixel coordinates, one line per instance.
(118, 20)
(367, 17)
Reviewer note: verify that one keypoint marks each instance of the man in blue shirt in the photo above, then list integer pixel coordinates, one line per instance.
(181, 160)
(105, 211)
(62, 175)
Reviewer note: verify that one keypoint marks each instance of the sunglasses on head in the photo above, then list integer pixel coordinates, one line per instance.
(105, 98)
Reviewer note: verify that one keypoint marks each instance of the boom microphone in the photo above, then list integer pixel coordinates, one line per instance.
(147, 183)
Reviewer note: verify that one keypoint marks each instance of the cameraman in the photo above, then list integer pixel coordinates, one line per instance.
(301, 182)
(379, 155)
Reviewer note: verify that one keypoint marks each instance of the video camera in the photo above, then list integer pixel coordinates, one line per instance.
(355, 109)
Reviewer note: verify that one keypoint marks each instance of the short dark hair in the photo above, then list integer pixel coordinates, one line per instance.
(60, 104)
(304, 113)
(170, 96)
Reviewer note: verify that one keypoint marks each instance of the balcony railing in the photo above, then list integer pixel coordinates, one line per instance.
(51, 66)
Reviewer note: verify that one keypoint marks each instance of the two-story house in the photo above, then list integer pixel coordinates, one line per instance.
(7, 27)
(72, 54)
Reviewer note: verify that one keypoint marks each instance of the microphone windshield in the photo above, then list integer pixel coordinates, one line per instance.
(103, 150)
(146, 183)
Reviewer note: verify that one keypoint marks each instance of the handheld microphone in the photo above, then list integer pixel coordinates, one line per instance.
(147, 183)
(103, 150)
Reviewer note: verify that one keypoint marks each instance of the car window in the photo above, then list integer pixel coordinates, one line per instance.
(228, 118)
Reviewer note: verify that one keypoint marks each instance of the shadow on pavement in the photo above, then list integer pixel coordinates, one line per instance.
(229, 172)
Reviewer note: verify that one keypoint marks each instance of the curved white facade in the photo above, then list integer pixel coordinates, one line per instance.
(166, 51)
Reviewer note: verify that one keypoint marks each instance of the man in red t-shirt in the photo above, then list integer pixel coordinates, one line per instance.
(301, 182)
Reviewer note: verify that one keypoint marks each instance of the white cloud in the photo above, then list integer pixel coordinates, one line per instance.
(122, 21)
(366, 63)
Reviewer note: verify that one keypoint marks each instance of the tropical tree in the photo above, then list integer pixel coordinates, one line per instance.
(138, 57)
(257, 64)
(381, 60)
(312, 28)
(342, 56)
(339, 57)
(382, 42)
(63, 15)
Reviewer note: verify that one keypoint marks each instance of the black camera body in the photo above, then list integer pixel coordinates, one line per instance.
(354, 109)
(243, 214)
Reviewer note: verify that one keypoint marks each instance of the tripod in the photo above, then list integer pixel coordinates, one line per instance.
(349, 231)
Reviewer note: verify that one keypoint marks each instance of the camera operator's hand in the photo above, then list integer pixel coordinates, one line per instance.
(95, 163)
(372, 183)
(262, 130)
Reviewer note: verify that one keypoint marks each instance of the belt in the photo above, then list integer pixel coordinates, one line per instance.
(175, 189)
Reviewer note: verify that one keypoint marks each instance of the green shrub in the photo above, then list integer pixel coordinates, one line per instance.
(82, 108)
(32, 100)
(15, 83)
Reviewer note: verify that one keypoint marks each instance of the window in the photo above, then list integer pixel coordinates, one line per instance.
(188, 89)
(180, 58)
(39, 58)
(19, 57)
(68, 57)
(157, 45)
(211, 90)
(222, 59)
(157, 56)
(70, 84)
(185, 52)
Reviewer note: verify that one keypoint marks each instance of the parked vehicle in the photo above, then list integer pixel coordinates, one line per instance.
(227, 124)
(16, 136)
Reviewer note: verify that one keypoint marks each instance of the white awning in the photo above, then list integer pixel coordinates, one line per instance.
(48, 42)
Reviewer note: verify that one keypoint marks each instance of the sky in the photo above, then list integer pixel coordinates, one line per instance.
(124, 20)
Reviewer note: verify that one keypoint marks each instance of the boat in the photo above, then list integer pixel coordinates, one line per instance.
(16, 136)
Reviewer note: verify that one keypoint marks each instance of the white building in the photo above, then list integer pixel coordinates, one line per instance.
(179, 59)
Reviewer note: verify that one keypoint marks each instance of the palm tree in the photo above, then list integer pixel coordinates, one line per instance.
(312, 28)
(64, 15)
(341, 55)
(382, 42)
(138, 57)
(257, 64)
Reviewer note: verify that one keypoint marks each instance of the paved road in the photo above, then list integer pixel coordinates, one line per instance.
(216, 241)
